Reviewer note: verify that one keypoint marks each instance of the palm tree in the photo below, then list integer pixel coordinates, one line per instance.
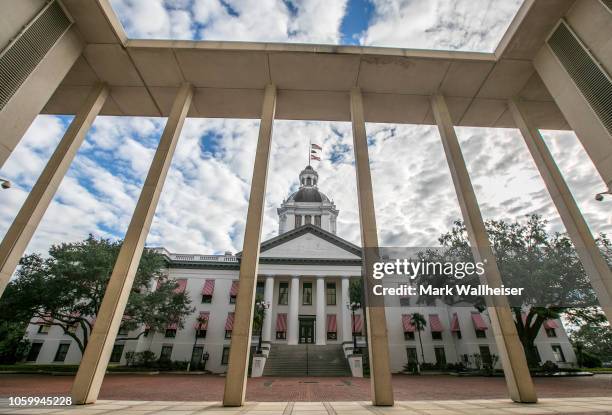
(419, 323)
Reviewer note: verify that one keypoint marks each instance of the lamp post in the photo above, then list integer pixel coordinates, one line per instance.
(353, 307)
(260, 309)
(200, 321)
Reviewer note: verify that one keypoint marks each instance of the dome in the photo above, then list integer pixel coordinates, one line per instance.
(308, 194)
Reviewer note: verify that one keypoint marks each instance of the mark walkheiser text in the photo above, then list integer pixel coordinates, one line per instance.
(477, 290)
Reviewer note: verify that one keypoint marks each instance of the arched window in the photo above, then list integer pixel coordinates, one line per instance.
(308, 181)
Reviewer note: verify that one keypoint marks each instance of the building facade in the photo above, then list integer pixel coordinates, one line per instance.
(304, 279)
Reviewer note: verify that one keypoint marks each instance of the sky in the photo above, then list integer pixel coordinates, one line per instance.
(204, 201)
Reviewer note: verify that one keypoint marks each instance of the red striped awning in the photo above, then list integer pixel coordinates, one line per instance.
(234, 289)
(204, 315)
(479, 322)
(434, 323)
(551, 324)
(357, 323)
(209, 287)
(229, 323)
(455, 323)
(281, 322)
(181, 286)
(172, 326)
(332, 324)
(407, 323)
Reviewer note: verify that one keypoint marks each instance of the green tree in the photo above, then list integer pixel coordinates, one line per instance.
(419, 323)
(544, 264)
(66, 289)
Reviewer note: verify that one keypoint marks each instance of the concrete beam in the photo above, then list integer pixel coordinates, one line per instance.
(33, 94)
(380, 371)
(90, 375)
(23, 227)
(594, 263)
(236, 378)
(509, 347)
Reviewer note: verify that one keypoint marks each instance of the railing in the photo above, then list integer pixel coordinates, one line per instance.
(202, 258)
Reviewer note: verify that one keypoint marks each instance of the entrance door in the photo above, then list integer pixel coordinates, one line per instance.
(307, 332)
(196, 357)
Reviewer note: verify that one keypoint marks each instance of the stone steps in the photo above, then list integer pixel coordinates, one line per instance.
(306, 360)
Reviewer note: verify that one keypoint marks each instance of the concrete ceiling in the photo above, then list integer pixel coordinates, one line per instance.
(313, 80)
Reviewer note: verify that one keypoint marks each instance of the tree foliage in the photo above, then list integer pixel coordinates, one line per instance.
(66, 289)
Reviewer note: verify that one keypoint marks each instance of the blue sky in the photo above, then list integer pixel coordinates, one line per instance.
(203, 206)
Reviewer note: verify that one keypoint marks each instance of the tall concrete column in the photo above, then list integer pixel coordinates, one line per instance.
(236, 378)
(294, 309)
(590, 130)
(23, 227)
(509, 347)
(91, 371)
(268, 299)
(594, 263)
(25, 104)
(380, 370)
(347, 330)
(321, 317)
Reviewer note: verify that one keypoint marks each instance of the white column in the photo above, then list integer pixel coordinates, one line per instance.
(321, 320)
(237, 368)
(509, 347)
(294, 308)
(23, 227)
(268, 299)
(93, 366)
(593, 261)
(347, 335)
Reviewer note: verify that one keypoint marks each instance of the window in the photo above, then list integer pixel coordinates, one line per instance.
(412, 354)
(551, 333)
(436, 335)
(332, 335)
(206, 299)
(307, 293)
(318, 221)
(44, 329)
(308, 219)
(409, 335)
(404, 301)
(259, 290)
(228, 334)
(458, 334)
(481, 334)
(283, 293)
(170, 333)
(558, 352)
(298, 221)
(34, 352)
(61, 353)
(440, 356)
(146, 332)
(116, 353)
(123, 331)
(201, 334)
(225, 356)
(281, 335)
(166, 353)
(485, 354)
(331, 293)
(232, 299)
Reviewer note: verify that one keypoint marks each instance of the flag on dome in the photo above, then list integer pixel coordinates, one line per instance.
(313, 157)
(316, 146)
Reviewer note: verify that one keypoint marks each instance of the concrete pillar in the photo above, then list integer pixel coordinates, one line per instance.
(268, 299)
(321, 334)
(235, 381)
(509, 347)
(594, 263)
(23, 107)
(294, 309)
(380, 371)
(91, 371)
(592, 133)
(347, 335)
(23, 227)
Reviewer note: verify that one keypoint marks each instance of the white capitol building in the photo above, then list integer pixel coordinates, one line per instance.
(304, 278)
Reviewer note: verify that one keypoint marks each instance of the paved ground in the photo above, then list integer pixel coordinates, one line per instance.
(210, 388)
(469, 407)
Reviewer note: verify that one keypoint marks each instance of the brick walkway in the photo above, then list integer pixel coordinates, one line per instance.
(469, 407)
(210, 388)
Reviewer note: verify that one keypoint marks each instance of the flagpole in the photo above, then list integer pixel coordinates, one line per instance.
(309, 149)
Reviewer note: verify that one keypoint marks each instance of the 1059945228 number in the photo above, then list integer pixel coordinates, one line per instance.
(40, 400)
